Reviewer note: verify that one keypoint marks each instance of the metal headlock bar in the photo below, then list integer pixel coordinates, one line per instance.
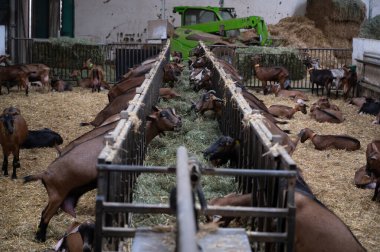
(264, 169)
(125, 145)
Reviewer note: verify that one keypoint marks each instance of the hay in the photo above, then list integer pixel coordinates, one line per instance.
(330, 173)
(299, 32)
(22, 204)
(340, 20)
(196, 135)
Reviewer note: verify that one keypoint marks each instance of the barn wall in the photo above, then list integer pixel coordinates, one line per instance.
(109, 21)
(372, 73)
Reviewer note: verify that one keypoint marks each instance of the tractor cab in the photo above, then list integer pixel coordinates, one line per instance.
(192, 15)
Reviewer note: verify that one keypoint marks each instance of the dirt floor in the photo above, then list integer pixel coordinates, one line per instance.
(329, 173)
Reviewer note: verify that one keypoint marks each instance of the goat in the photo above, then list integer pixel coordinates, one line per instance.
(38, 72)
(321, 77)
(324, 111)
(224, 149)
(363, 180)
(323, 103)
(13, 132)
(170, 75)
(371, 107)
(162, 120)
(42, 139)
(373, 164)
(324, 142)
(73, 174)
(78, 237)
(326, 232)
(293, 94)
(283, 111)
(278, 74)
(338, 76)
(168, 93)
(209, 102)
(349, 81)
(358, 101)
(124, 86)
(15, 74)
(60, 85)
(232, 199)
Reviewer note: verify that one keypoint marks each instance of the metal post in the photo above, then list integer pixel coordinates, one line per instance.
(185, 214)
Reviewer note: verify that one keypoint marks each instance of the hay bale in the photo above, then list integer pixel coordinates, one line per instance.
(340, 20)
(370, 28)
(299, 32)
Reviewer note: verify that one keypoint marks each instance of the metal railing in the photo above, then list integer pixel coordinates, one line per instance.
(269, 178)
(125, 145)
(329, 58)
(62, 58)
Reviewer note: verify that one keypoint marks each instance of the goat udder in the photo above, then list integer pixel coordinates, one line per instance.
(68, 206)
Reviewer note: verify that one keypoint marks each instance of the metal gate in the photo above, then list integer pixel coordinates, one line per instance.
(270, 178)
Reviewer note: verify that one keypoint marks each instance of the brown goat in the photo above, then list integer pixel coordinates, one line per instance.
(278, 74)
(323, 103)
(232, 199)
(168, 93)
(373, 164)
(293, 94)
(283, 111)
(79, 237)
(324, 142)
(13, 132)
(73, 174)
(316, 227)
(15, 73)
(363, 180)
(209, 102)
(125, 86)
(327, 115)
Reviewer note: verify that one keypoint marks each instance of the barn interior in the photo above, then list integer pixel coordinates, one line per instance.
(329, 173)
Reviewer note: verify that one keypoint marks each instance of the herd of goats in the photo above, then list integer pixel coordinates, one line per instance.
(68, 177)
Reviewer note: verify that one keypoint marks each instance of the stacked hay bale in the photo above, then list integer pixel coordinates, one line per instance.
(340, 20)
(370, 28)
(298, 32)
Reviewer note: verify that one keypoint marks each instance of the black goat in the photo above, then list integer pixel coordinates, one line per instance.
(42, 139)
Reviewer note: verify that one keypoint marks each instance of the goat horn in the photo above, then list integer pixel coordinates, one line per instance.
(211, 92)
(218, 99)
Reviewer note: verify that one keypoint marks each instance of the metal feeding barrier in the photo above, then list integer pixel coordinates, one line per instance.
(329, 58)
(265, 170)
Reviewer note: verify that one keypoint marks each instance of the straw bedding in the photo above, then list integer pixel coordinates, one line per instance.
(329, 173)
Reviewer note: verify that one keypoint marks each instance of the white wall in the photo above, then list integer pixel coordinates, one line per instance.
(103, 21)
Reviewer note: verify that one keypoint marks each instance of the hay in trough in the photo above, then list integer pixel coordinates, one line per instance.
(197, 133)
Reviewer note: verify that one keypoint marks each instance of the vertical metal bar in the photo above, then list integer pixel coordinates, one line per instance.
(185, 214)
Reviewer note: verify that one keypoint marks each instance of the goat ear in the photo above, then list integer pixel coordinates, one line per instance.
(155, 108)
(151, 117)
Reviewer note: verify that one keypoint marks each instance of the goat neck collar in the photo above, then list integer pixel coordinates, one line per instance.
(313, 135)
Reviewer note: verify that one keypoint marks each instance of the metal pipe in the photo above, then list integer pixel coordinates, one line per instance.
(185, 215)
(12, 30)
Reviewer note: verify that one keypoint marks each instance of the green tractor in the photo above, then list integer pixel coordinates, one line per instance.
(212, 25)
